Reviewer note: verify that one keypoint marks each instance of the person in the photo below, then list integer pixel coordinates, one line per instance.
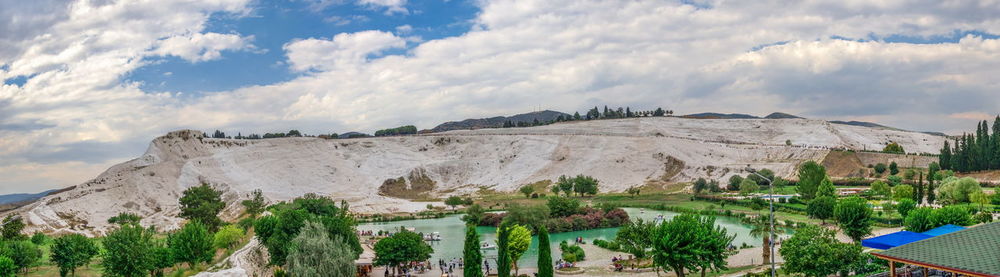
(386, 271)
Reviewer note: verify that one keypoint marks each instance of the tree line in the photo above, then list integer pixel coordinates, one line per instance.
(973, 151)
(402, 130)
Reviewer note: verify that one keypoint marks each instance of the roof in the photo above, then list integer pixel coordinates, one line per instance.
(894, 239)
(946, 229)
(973, 251)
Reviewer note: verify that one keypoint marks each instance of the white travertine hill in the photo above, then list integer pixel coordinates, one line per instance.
(620, 153)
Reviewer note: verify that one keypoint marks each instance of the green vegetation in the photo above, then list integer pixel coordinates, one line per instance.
(636, 238)
(691, 242)
(228, 237)
(255, 205)
(925, 218)
(125, 218)
(503, 250)
(72, 251)
(814, 251)
(973, 152)
(571, 253)
(954, 190)
(314, 254)
(203, 204)
(128, 251)
(471, 253)
(275, 231)
(401, 248)
(854, 217)
(544, 253)
(810, 176)
(894, 148)
(519, 238)
(402, 130)
(581, 185)
(822, 208)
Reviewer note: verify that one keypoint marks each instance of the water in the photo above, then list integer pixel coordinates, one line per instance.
(452, 230)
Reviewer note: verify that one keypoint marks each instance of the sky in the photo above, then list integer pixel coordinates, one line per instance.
(88, 84)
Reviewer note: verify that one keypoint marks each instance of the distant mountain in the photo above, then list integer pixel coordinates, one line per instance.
(494, 122)
(780, 115)
(22, 197)
(862, 124)
(720, 116)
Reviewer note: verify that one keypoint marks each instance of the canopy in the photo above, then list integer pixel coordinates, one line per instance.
(946, 229)
(895, 239)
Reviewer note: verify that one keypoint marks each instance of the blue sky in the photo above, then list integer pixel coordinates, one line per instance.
(88, 84)
(275, 23)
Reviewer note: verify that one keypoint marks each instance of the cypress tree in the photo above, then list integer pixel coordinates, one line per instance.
(473, 258)
(920, 188)
(995, 162)
(944, 160)
(544, 253)
(503, 257)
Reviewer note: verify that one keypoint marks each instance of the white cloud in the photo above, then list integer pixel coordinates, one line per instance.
(343, 50)
(200, 47)
(390, 6)
(559, 54)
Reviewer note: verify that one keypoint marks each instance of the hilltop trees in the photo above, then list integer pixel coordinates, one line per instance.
(893, 147)
(402, 130)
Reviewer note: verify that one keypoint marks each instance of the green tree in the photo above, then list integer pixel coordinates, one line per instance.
(72, 251)
(527, 190)
(894, 180)
(909, 174)
(203, 204)
(7, 267)
(748, 186)
(815, 252)
(255, 205)
(901, 192)
(39, 238)
(734, 183)
(905, 206)
(562, 206)
(471, 254)
(956, 215)
(454, 201)
(518, 242)
(544, 253)
(919, 220)
(854, 217)
(810, 176)
(880, 168)
(125, 218)
(881, 189)
(473, 214)
(227, 237)
(714, 245)
(565, 184)
(978, 197)
(585, 185)
(400, 248)
(954, 190)
(192, 244)
(531, 216)
(690, 242)
(503, 250)
(699, 185)
(821, 208)
(127, 251)
(761, 228)
(636, 237)
(893, 168)
(12, 227)
(314, 254)
(893, 147)
(24, 253)
(162, 257)
(826, 188)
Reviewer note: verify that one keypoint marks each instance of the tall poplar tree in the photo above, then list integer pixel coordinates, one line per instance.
(473, 258)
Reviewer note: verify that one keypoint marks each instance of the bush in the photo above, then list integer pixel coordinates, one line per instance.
(227, 237)
(984, 217)
(572, 253)
(609, 245)
(880, 168)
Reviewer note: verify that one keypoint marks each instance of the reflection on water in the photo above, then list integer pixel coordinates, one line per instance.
(452, 230)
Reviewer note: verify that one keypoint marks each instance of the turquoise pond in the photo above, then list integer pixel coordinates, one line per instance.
(452, 230)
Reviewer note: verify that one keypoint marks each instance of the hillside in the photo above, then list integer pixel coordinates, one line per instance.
(497, 121)
(385, 174)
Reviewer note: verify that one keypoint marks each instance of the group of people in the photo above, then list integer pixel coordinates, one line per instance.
(448, 267)
(619, 263)
(560, 264)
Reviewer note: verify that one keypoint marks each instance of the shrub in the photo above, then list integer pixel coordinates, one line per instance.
(572, 253)
(609, 245)
(984, 217)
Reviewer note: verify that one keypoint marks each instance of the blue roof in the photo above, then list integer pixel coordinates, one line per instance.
(894, 239)
(946, 229)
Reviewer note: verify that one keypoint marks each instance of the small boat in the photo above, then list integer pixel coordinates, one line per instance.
(487, 246)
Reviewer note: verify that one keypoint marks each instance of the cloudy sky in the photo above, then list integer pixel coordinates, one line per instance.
(87, 84)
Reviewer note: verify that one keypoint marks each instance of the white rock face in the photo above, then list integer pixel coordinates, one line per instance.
(619, 153)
